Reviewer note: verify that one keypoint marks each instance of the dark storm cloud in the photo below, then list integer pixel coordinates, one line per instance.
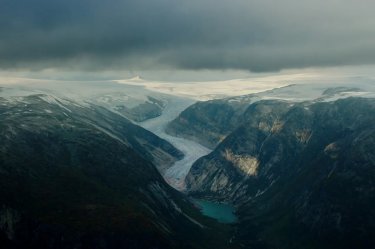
(189, 34)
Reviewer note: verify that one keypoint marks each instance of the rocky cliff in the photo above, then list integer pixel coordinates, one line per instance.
(301, 174)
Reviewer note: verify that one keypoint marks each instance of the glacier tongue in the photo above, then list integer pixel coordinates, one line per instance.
(175, 175)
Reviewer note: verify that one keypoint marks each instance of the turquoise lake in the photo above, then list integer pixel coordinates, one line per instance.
(222, 212)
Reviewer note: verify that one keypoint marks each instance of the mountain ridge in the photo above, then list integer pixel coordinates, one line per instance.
(287, 162)
(75, 176)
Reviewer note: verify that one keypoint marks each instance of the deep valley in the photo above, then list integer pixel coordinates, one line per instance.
(254, 171)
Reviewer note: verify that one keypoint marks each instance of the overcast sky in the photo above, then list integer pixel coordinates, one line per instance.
(253, 35)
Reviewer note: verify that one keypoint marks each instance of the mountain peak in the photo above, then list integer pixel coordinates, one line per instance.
(136, 78)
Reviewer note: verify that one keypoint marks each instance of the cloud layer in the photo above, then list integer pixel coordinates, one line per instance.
(256, 35)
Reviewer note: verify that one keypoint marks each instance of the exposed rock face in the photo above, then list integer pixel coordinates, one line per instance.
(247, 165)
(74, 176)
(151, 108)
(207, 122)
(301, 174)
(222, 173)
